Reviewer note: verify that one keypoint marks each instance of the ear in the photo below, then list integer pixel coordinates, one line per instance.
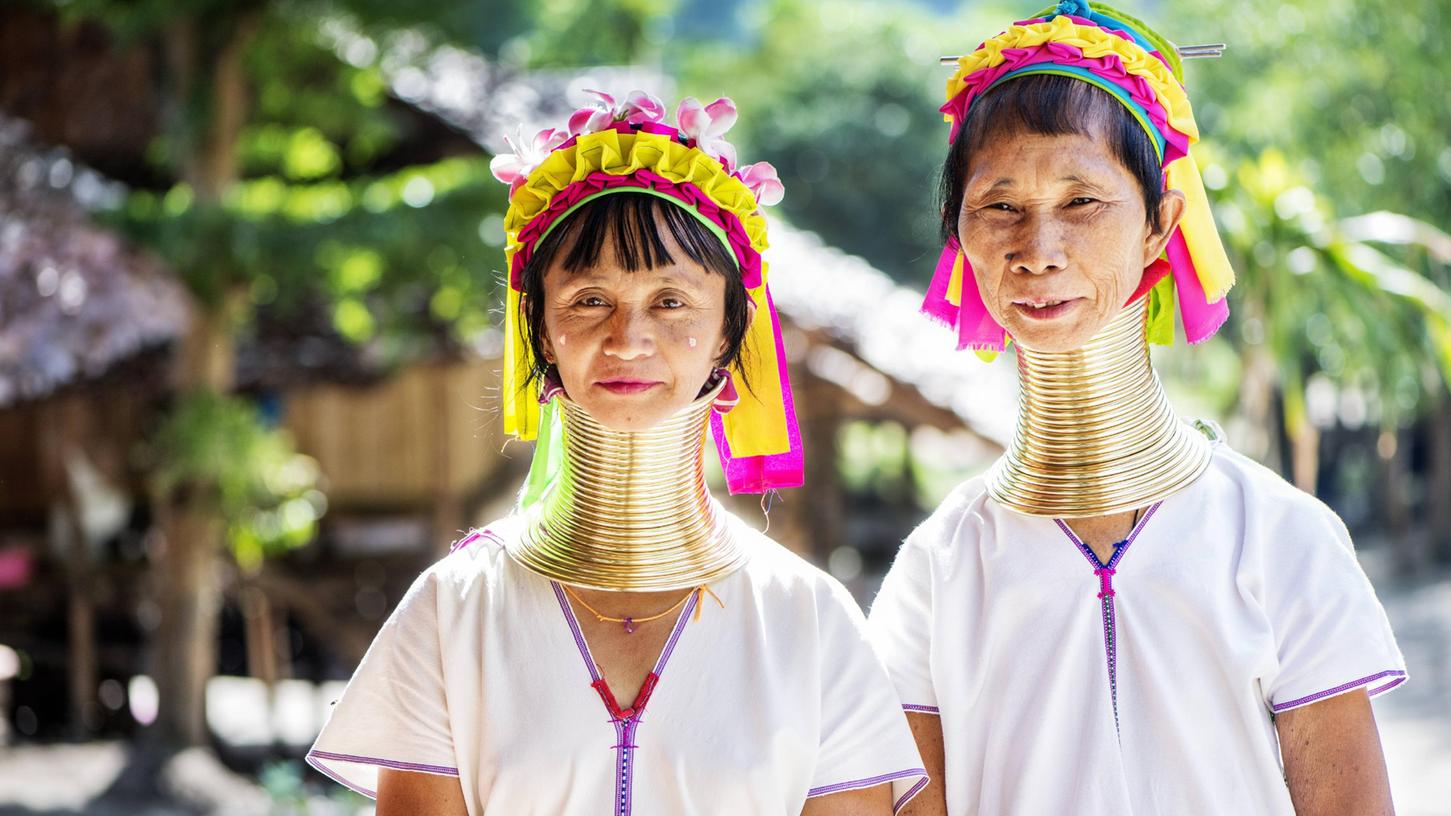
(750, 318)
(1171, 210)
(546, 346)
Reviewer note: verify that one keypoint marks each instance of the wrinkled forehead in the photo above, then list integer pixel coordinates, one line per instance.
(1020, 159)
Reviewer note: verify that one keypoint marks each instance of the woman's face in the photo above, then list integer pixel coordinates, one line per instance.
(1057, 235)
(634, 348)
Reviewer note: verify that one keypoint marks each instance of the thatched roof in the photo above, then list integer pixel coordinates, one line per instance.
(75, 299)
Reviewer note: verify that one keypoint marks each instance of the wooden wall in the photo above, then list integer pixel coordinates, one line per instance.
(431, 431)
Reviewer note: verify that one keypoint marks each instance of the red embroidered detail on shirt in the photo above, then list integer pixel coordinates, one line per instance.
(641, 698)
(1105, 582)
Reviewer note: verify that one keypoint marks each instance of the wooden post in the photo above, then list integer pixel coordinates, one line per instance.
(190, 600)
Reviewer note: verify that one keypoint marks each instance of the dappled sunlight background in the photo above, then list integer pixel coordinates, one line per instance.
(249, 329)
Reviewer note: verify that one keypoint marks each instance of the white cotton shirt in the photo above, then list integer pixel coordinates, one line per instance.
(1237, 597)
(482, 673)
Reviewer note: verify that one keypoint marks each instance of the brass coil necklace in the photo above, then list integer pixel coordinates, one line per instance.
(630, 510)
(1096, 433)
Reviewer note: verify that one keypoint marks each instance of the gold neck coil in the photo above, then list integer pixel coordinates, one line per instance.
(630, 510)
(1096, 433)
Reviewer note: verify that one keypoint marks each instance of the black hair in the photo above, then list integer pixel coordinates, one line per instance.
(629, 222)
(1051, 105)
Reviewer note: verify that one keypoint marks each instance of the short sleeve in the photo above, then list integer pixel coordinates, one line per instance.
(1331, 633)
(901, 628)
(393, 713)
(865, 740)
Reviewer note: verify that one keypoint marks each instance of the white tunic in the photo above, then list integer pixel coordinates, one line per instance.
(482, 673)
(1143, 686)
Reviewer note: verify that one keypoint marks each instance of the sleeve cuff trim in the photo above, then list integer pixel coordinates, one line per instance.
(907, 797)
(1397, 676)
(872, 781)
(319, 760)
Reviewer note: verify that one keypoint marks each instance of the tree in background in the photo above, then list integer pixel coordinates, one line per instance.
(291, 180)
(1330, 109)
(295, 186)
(1315, 302)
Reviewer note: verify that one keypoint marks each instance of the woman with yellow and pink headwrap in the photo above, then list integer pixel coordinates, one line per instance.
(1123, 615)
(620, 643)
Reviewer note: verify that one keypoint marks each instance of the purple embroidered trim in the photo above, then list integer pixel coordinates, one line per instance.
(1344, 687)
(858, 784)
(325, 771)
(589, 661)
(315, 759)
(675, 635)
(1105, 573)
(624, 771)
(907, 797)
(921, 709)
(1379, 690)
(475, 536)
(624, 793)
(1120, 550)
(1110, 650)
(441, 770)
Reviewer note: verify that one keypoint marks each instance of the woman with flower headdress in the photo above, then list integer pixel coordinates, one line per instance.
(1123, 615)
(620, 643)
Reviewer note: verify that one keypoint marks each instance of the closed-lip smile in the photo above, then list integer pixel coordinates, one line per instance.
(627, 385)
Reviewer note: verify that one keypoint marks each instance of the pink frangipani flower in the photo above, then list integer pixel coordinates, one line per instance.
(763, 182)
(514, 168)
(589, 120)
(706, 126)
(594, 118)
(701, 126)
(640, 107)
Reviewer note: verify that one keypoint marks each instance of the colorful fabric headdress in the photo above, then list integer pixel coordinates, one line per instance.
(628, 147)
(1120, 55)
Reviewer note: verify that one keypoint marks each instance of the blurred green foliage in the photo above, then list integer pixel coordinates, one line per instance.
(841, 97)
(1323, 303)
(1353, 93)
(396, 255)
(215, 454)
(1317, 111)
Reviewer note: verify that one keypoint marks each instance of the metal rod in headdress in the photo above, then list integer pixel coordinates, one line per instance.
(1205, 51)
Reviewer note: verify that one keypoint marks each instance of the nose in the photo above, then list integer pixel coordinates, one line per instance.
(630, 335)
(1038, 248)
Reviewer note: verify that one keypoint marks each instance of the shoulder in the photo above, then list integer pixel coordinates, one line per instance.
(966, 513)
(778, 575)
(474, 561)
(1263, 498)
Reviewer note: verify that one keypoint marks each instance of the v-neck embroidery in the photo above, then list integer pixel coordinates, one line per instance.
(625, 721)
(1106, 593)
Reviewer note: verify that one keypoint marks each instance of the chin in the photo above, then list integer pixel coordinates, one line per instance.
(616, 414)
(1051, 339)
(629, 424)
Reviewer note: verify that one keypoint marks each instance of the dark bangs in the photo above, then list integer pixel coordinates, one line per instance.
(634, 224)
(1050, 105)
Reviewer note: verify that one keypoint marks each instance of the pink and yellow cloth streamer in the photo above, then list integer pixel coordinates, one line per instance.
(1140, 69)
(628, 147)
